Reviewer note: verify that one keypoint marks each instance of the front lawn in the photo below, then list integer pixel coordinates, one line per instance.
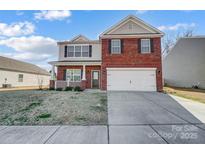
(43, 107)
(189, 93)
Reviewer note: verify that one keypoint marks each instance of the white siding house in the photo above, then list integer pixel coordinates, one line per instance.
(20, 74)
(184, 65)
(80, 41)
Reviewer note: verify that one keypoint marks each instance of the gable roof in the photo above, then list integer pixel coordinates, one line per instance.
(79, 38)
(144, 28)
(19, 66)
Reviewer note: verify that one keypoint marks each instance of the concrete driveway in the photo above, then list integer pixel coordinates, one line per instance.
(133, 117)
(151, 117)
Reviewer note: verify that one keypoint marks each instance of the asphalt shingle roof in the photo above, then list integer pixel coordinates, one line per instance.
(15, 65)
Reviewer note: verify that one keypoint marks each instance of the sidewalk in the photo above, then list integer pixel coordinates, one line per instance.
(196, 108)
(53, 134)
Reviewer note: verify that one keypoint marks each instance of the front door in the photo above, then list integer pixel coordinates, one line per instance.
(95, 79)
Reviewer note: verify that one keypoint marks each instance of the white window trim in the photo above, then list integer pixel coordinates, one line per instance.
(73, 75)
(116, 46)
(80, 51)
(149, 51)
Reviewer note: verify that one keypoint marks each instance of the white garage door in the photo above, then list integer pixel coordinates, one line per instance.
(131, 79)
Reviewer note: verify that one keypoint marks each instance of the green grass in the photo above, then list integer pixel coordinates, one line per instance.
(80, 119)
(22, 119)
(31, 106)
(44, 116)
(36, 107)
(102, 107)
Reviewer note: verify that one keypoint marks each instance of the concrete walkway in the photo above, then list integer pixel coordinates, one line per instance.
(133, 117)
(196, 108)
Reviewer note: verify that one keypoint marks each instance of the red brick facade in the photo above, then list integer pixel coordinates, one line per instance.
(87, 84)
(88, 74)
(130, 57)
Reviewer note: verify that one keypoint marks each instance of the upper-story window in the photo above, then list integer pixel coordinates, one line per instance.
(78, 51)
(145, 46)
(115, 46)
(70, 51)
(85, 51)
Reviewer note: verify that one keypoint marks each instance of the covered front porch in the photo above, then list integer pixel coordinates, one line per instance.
(76, 74)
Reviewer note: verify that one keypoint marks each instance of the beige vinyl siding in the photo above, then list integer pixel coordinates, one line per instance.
(185, 63)
(96, 53)
(130, 28)
(28, 79)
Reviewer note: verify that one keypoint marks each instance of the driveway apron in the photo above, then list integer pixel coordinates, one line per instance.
(143, 117)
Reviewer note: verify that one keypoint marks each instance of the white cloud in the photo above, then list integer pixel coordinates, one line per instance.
(52, 15)
(177, 26)
(16, 29)
(34, 49)
(37, 44)
(141, 11)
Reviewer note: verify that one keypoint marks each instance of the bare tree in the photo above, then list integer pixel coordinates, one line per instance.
(168, 42)
(187, 33)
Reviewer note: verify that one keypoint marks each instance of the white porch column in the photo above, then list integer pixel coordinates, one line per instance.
(84, 76)
(53, 75)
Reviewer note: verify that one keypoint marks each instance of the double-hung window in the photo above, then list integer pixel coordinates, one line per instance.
(145, 46)
(73, 75)
(115, 46)
(85, 51)
(78, 51)
(70, 51)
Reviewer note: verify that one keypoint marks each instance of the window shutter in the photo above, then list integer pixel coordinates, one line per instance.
(152, 44)
(90, 50)
(66, 50)
(139, 45)
(122, 45)
(81, 74)
(64, 74)
(109, 46)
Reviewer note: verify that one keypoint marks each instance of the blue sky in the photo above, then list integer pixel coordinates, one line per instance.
(31, 35)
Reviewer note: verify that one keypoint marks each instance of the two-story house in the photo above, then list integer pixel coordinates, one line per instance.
(127, 56)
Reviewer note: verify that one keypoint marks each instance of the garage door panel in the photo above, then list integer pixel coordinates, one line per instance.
(131, 80)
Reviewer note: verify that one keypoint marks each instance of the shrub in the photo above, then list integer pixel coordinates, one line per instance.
(68, 88)
(195, 87)
(51, 88)
(59, 89)
(77, 88)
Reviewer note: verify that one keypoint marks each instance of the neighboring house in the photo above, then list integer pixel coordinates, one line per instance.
(184, 65)
(127, 56)
(14, 73)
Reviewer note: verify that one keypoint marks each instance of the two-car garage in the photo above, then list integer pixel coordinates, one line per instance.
(131, 79)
